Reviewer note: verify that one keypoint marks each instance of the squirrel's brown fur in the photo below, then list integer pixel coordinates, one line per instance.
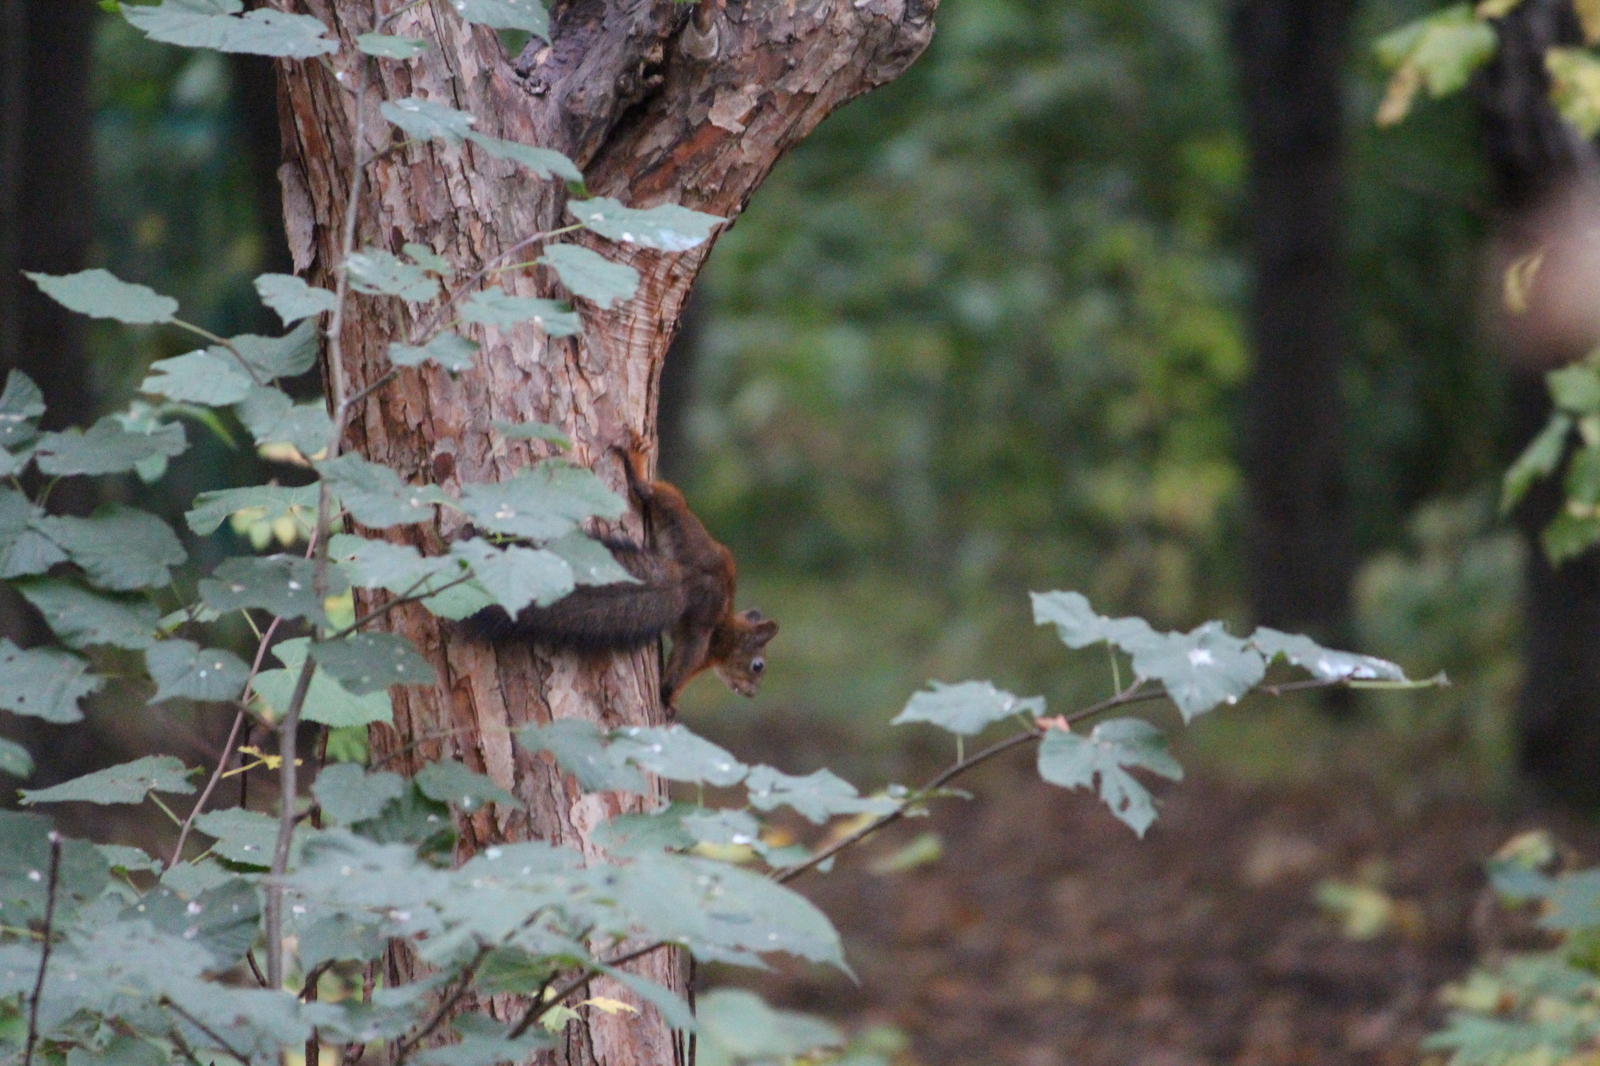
(685, 590)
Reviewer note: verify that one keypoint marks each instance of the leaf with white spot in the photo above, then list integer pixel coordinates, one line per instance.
(120, 548)
(966, 709)
(543, 503)
(527, 15)
(498, 308)
(44, 683)
(101, 294)
(263, 32)
(375, 495)
(544, 162)
(82, 619)
(348, 794)
(183, 669)
(581, 750)
(127, 783)
(592, 562)
(370, 662)
(279, 584)
(21, 404)
(385, 46)
(207, 378)
(15, 760)
(244, 837)
(1325, 664)
(673, 752)
(1106, 755)
(450, 350)
(326, 700)
(24, 548)
(380, 273)
(275, 357)
(423, 120)
(668, 227)
(211, 509)
(516, 576)
(590, 275)
(817, 796)
(1200, 669)
(448, 781)
(291, 297)
(107, 448)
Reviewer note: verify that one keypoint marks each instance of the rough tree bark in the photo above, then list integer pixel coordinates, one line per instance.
(1535, 159)
(1289, 55)
(652, 112)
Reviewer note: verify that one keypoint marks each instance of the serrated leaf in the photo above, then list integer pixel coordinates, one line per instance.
(127, 783)
(527, 15)
(1079, 626)
(81, 618)
(381, 564)
(1444, 48)
(1538, 460)
(628, 835)
(263, 32)
(737, 1027)
(1106, 754)
(485, 1042)
(385, 46)
(544, 162)
(291, 297)
(326, 701)
(183, 669)
(429, 260)
(348, 794)
(1323, 663)
(244, 837)
(273, 418)
(211, 509)
(816, 797)
(129, 858)
(377, 272)
(280, 584)
(20, 407)
(424, 120)
(531, 431)
(120, 548)
(450, 350)
(673, 752)
(101, 294)
(15, 760)
(24, 549)
(107, 448)
(1575, 389)
(967, 708)
(592, 562)
(370, 662)
(44, 683)
(590, 275)
(375, 495)
(276, 357)
(581, 750)
(516, 576)
(24, 863)
(215, 380)
(1200, 669)
(543, 503)
(498, 308)
(448, 781)
(668, 227)
(224, 919)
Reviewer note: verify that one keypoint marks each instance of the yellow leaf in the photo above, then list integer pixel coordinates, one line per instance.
(1519, 281)
(1400, 94)
(1575, 87)
(610, 1006)
(1589, 18)
(1496, 9)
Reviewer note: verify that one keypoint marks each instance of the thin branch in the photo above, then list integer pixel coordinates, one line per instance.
(216, 776)
(206, 1029)
(288, 788)
(406, 1045)
(44, 950)
(223, 342)
(431, 323)
(363, 393)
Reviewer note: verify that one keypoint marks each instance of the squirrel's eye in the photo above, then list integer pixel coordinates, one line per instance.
(757, 665)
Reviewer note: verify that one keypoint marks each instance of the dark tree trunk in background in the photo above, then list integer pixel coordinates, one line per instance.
(1535, 158)
(255, 95)
(676, 394)
(1289, 55)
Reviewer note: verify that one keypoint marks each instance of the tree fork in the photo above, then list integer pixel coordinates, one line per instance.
(656, 102)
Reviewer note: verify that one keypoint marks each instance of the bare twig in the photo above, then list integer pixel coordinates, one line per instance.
(216, 776)
(44, 950)
(406, 1045)
(431, 323)
(206, 1029)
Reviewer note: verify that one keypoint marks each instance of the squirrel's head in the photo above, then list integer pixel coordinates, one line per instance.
(746, 657)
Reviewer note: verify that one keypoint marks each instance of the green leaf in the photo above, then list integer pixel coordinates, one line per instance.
(386, 47)
(673, 752)
(24, 548)
(120, 548)
(263, 32)
(1322, 663)
(279, 584)
(381, 564)
(516, 576)
(429, 260)
(348, 794)
(673, 1009)
(377, 272)
(81, 618)
(1106, 754)
(1445, 48)
(243, 837)
(450, 350)
(581, 750)
(273, 418)
(326, 701)
(20, 407)
(498, 308)
(276, 357)
(130, 859)
(101, 294)
(209, 378)
(224, 919)
(737, 1027)
(544, 162)
(669, 228)
(44, 683)
(591, 561)
(107, 448)
(1200, 669)
(816, 797)
(531, 431)
(1538, 460)
(590, 275)
(1569, 536)
(543, 503)
(527, 15)
(485, 1042)
(25, 863)
(182, 669)
(211, 509)
(448, 781)
(628, 835)
(370, 662)
(1079, 626)
(967, 708)
(1583, 477)
(375, 495)
(423, 120)
(1575, 389)
(1575, 87)
(15, 760)
(286, 294)
(127, 783)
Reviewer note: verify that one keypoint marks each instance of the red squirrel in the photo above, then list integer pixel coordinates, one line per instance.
(685, 590)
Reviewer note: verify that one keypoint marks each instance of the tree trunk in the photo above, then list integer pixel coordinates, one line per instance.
(1536, 159)
(650, 116)
(1290, 60)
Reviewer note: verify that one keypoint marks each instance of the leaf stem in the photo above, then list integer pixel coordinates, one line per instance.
(224, 342)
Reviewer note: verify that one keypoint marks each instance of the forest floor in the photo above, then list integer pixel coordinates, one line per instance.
(1047, 934)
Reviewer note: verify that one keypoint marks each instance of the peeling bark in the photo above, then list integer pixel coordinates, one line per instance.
(652, 113)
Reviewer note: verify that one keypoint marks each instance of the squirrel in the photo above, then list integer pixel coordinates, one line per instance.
(685, 590)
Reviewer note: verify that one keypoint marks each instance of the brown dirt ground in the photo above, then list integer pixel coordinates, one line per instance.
(1048, 934)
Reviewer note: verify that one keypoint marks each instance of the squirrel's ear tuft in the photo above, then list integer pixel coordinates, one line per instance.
(765, 631)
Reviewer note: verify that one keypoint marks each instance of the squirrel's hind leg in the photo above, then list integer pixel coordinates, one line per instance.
(688, 658)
